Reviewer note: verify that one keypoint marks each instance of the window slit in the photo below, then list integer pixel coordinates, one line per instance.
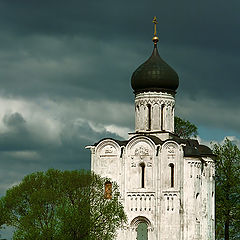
(149, 116)
(121, 152)
(162, 107)
(171, 165)
(142, 165)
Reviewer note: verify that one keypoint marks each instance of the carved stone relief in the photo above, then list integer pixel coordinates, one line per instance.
(204, 207)
(103, 164)
(108, 151)
(170, 200)
(149, 164)
(171, 151)
(142, 151)
(133, 164)
(141, 202)
(107, 158)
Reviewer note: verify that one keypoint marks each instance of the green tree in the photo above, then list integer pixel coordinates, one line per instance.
(2, 216)
(63, 205)
(184, 128)
(227, 190)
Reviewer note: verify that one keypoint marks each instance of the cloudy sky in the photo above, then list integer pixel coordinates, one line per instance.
(65, 69)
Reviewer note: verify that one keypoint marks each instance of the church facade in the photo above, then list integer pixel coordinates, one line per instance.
(166, 182)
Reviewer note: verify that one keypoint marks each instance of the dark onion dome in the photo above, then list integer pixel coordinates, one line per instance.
(154, 75)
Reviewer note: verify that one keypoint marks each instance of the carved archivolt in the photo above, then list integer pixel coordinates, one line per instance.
(108, 151)
(140, 219)
(170, 149)
(140, 147)
(170, 146)
(108, 148)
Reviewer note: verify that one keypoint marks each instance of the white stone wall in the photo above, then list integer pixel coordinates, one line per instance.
(199, 199)
(161, 113)
(184, 211)
(140, 202)
(106, 160)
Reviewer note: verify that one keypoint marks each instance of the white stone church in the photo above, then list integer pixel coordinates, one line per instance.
(166, 183)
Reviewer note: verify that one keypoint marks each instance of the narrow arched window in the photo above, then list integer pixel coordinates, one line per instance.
(162, 108)
(142, 165)
(108, 190)
(171, 165)
(138, 108)
(149, 116)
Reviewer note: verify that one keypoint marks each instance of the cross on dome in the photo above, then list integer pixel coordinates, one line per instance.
(155, 38)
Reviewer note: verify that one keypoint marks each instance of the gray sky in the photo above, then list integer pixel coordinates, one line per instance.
(65, 69)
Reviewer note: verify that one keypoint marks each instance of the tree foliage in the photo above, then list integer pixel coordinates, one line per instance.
(184, 128)
(227, 190)
(62, 206)
(2, 215)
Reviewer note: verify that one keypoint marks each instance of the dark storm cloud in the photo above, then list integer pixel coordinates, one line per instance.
(19, 136)
(20, 154)
(195, 21)
(55, 48)
(54, 67)
(13, 120)
(210, 113)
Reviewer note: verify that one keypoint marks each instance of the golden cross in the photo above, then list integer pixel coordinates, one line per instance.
(155, 25)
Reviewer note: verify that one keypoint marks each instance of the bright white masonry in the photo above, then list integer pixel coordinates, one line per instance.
(166, 183)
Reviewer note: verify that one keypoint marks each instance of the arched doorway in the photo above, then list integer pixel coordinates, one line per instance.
(141, 228)
(142, 231)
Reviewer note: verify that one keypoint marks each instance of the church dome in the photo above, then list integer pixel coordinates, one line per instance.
(154, 75)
